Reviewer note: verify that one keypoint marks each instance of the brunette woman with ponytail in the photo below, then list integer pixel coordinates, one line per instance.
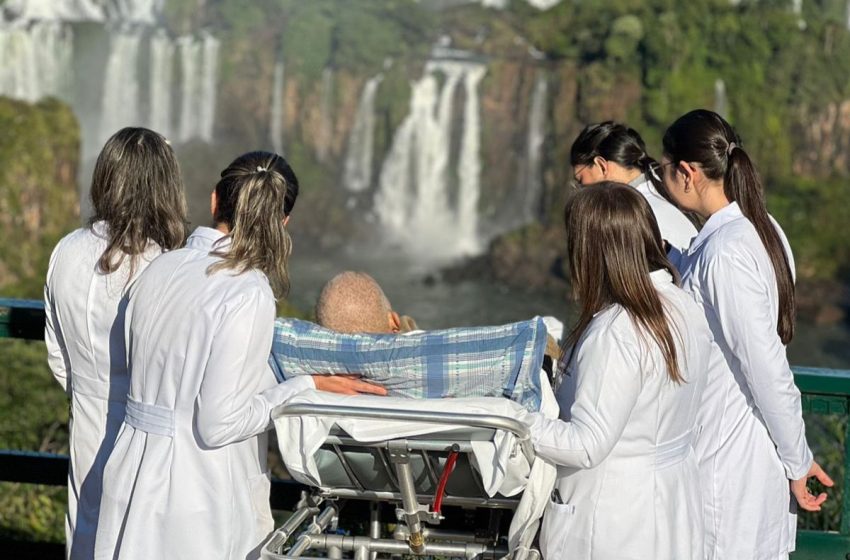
(611, 151)
(740, 268)
(628, 482)
(188, 475)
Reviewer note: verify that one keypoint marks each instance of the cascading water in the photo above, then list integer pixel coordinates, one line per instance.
(326, 123)
(161, 77)
(276, 125)
(469, 167)
(413, 203)
(358, 161)
(120, 97)
(189, 51)
(532, 182)
(720, 100)
(797, 6)
(36, 60)
(208, 83)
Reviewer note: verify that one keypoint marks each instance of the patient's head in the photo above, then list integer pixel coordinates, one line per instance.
(353, 302)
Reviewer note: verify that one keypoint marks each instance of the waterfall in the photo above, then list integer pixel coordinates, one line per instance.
(532, 181)
(209, 79)
(797, 6)
(36, 60)
(848, 15)
(720, 100)
(276, 128)
(358, 160)
(326, 123)
(469, 167)
(412, 202)
(189, 51)
(162, 73)
(126, 11)
(120, 96)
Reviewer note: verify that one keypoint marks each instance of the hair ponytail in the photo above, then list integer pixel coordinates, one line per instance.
(743, 185)
(255, 195)
(704, 137)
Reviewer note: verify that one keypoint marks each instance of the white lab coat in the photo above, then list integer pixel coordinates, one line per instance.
(627, 474)
(754, 438)
(187, 477)
(675, 227)
(84, 334)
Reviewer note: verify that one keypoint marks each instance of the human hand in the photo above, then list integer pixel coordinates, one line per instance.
(806, 499)
(346, 385)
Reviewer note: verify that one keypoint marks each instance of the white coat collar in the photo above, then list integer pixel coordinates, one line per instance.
(716, 221)
(643, 185)
(207, 239)
(661, 277)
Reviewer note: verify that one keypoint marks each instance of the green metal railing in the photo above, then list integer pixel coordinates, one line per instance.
(825, 392)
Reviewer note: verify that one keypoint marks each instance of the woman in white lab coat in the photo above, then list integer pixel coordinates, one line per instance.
(637, 366)
(740, 269)
(187, 477)
(612, 151)
(139, 211)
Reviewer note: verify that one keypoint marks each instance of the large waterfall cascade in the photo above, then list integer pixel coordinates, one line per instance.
(413, 201)
(361, 142)
(37, 60)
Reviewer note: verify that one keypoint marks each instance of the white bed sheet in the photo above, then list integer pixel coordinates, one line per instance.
(502, 471)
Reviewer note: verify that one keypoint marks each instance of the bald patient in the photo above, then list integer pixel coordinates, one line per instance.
(353, 302)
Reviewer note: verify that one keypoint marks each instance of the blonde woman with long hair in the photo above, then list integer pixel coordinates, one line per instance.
(636, 367)
(187, 477)
(139, 212)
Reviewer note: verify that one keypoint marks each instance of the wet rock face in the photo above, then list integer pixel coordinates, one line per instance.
(39, 201)
(826, 149)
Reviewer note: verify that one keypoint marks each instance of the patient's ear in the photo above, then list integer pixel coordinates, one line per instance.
(394, 321)
(213, 204)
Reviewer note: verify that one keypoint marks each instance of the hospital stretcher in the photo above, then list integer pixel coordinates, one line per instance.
(416, 456)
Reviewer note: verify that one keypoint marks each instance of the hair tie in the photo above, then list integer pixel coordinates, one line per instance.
(261, 168)
(731, 147)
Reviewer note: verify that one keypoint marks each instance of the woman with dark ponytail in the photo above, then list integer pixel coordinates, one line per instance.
(188, 476)
(740, 268)
(611, 151)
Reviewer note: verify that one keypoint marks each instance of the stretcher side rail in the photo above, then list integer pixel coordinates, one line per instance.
(450, 420)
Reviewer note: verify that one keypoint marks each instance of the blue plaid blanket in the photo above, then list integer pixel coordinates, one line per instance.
(464, 362)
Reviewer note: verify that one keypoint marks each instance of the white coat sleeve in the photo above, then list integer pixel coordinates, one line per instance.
(230, 406)
(736, 292)
(57, 354)
(608, 382)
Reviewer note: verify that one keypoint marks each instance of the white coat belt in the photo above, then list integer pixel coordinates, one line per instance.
(149, 418)
(664, 455)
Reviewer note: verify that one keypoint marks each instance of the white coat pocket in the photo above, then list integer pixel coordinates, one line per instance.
(260, 488)
(558, 522)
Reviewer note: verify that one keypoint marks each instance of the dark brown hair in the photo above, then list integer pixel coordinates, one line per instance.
(705, 138)
(137, 190)
(613, 245)
(255, 194)
(620, 144)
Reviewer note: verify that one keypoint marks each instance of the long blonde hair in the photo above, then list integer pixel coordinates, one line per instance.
(255, 194)
(613, 245)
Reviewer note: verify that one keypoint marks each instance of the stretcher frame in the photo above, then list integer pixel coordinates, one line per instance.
(416, 522)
